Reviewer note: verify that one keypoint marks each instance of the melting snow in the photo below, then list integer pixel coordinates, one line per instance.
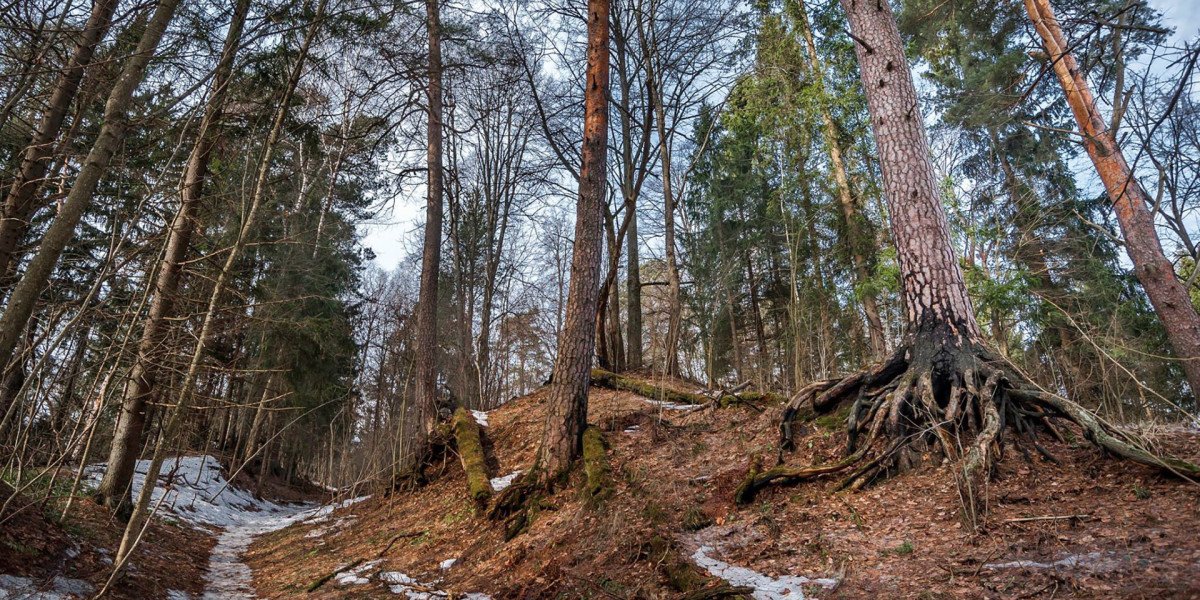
(500, 483)
(672, 405)
(1095, 561)
(59, 588)
(446, 564)
(786, 587)
(480, 417)
(355, 576)
(194, 490)
(403, 585)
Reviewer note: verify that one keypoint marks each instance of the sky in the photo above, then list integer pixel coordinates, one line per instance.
(395, 231)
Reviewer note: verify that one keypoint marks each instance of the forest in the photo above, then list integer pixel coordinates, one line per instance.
(770, 299)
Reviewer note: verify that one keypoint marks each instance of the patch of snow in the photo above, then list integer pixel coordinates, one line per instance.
(446, 564)
(1096, 561)
(633, 429)
(672, 405)
(480, 417)
(500, 483)
(786, 587)
(59, 588)
(178, 595)
(403, 585)
(355, 576)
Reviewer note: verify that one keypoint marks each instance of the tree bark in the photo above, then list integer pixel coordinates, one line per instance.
(140, 385)
(935, 296)
(1130, 201)
(62, 230)
(566, 415)
(20, 203)
(431, 255)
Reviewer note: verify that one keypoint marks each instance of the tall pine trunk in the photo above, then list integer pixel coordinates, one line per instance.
(935, 296)
(566, 414)
(1130, 202)
(431, 255)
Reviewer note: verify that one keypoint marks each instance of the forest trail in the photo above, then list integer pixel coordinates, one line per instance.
(194, 489)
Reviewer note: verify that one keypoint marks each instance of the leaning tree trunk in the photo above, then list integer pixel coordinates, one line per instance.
(566, 415)
(133, 529)
(431, 256)
(62, 230)
(114, 490)
(1167, 294)
(943, 393)
(20, 204)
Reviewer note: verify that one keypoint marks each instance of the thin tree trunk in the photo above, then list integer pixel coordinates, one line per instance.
(19, 205)
(566, 414)
(855, 239)
(62, 230)
(114, 490)
(674, 304)
(1131, 203)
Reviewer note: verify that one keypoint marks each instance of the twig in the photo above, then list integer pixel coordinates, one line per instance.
(1049, 518)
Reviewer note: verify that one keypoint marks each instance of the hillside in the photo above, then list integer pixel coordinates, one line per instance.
(1090, 527)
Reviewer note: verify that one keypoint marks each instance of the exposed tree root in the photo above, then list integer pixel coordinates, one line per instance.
(939, 398)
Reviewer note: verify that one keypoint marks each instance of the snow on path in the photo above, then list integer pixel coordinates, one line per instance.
(711, 541)
(194, 490)
(784, 587)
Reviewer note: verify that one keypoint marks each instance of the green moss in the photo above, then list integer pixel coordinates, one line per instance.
(470, 452)
(835, 420)
(595, 466)
(610, 380)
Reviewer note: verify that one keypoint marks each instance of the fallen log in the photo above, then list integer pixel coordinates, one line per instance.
(595, 466)
(470, 452)
(720, 398)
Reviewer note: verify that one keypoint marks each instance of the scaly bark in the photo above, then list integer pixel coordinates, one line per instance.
(431, 255)
(566, 414)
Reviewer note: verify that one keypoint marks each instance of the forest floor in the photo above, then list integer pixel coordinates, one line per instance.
(1090, 527)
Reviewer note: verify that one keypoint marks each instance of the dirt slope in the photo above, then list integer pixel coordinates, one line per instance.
(1126, 533)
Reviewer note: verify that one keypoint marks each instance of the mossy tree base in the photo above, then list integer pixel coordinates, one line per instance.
(945, 397)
